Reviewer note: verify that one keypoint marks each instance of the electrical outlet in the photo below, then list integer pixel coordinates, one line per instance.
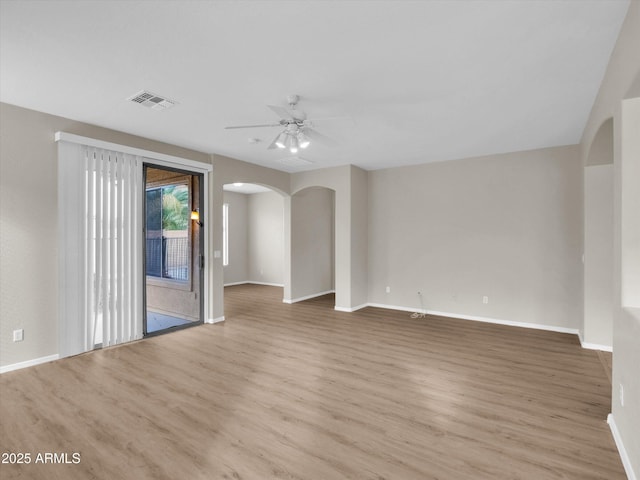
(18, 335)
(485, 299)
(621, 395)
(388, 289)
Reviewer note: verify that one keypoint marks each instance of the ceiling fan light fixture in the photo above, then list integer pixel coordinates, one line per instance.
(293, 144)
(303, 140)
(281, 141)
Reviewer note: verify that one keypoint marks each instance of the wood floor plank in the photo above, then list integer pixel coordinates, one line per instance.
(304, 392)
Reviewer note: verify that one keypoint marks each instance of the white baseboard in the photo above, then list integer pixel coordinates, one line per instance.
(626, 462)
(595, 346)
(254, 283)
(394, 307)
(350, 309)
(266, 283)
(235, 283)
(29, 363)
(214, 320)
(307, 297)
(511, 323)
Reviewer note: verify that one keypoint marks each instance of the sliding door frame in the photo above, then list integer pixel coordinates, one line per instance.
(202, 247)
(191, 168)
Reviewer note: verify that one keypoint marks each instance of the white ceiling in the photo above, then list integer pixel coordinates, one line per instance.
(419, 81)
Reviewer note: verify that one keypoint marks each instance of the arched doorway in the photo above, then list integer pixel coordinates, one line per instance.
(253, 235)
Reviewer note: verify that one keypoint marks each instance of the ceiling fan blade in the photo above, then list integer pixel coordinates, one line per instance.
(316, 136)
(253, 126)
(281, 112)
(298, 115)
(288, 114)
(347, 121)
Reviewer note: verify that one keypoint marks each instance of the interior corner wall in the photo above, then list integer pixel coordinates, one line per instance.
(237, 271)
(508, 227)
(312, 242)
(265, 238)
(28, 244)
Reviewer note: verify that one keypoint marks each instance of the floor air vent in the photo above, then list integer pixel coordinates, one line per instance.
(151, 100)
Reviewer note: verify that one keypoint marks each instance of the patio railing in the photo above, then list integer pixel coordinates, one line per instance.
(168, 258)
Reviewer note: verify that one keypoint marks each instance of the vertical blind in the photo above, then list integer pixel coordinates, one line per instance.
(100, 239)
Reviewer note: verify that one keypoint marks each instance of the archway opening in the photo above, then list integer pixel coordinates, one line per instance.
(253, 235)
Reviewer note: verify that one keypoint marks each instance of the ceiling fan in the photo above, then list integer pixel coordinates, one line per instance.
(297, 132)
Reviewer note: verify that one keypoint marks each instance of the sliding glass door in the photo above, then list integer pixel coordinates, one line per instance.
(173, 249)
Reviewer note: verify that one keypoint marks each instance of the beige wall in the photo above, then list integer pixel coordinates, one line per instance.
(312, 242)
(28, 243)
(626, 313)
(597, 328)
(630, 202)
(598, 256)
(506, 226)
(601, 151)
(622, 80)
(237, 271)
(265, 244)
(359, 240)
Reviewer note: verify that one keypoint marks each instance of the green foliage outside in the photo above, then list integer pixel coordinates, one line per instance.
(175, 207)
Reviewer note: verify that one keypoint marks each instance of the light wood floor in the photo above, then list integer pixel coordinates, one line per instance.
(304, 392)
